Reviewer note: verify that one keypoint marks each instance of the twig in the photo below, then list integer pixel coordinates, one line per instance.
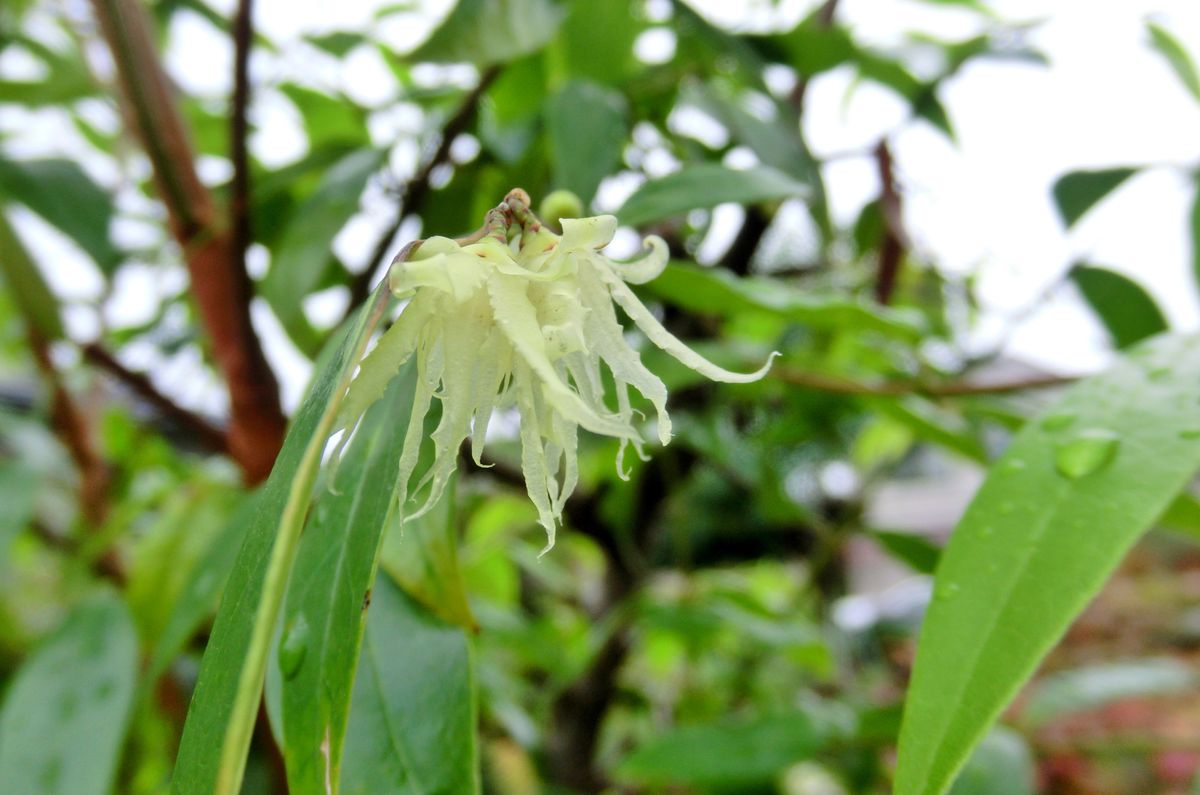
(219, 283)
(416, 190)
(895, 241)
(239, 200)
(205, 433)
(840, 386)
(825, 18)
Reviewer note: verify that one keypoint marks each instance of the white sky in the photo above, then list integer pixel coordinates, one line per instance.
(980, 206)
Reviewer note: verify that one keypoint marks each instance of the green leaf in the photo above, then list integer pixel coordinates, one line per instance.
(413, 719)
(1077, 192)
(704, 185)
(1050, 523)
(200, 594)
(303, 253)
(1001, 765)
(1171, 49)
(26, 284)
(1183, 516)
(66, 712)
(328, 119)
(167, 553)
(18, 492)
(1093, 686)
(486, 32)
(216, 735)
(716, 291)
(726, 755)
(1195, 219)
(422, 556)
(775, 141)
(921, 554)
(330, 589)
(596, 40)
(338, 42)
(65, 197)
(586, 128)
(1123, 305)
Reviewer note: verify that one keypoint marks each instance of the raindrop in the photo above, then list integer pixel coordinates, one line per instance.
(1086, 452)
(293, 647)
(946, 591)
(1059, 420)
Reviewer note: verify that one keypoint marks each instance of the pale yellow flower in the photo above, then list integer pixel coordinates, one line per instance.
(522, 316)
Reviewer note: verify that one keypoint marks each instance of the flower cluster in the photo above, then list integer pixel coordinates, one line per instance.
(517, 315)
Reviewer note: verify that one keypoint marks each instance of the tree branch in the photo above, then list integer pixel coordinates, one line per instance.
(239, 199)
(415, 191)
(895, 241)
(219, 283)
(207, 435)
(825, 16)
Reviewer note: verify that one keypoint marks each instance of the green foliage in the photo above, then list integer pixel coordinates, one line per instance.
(1171, 49)
(705, 185)
(1079, 191)
(1123, 306)
(65, 713)
(1053, 519)
(688, 633)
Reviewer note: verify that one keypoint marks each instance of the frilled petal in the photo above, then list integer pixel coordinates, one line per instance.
(647, 267)
(664, 339)
(517, 319)
(587, 234)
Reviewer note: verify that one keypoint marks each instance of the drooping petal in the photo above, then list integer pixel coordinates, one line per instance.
(533, 453)
(608, 341)
(517, 319)
(460, 343)
(664, 339)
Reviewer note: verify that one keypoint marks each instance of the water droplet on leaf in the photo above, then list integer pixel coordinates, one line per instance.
(946, 591)
(293, 647)
(1086, 452)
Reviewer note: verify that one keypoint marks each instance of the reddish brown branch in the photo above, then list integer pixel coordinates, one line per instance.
(239, 195)
(219, 282)
(415, 191)
(825, 16)
(203, 432)
(895, 241)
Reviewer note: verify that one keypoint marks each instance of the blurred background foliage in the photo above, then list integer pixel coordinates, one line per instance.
(738, 618)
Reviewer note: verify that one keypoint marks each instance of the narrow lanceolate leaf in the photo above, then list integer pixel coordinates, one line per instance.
(586, 127)
(412, 722)
(216, 736)
(487, 32)
(330, 591)
(41, 185)
(1077, 192)
(705, 185)
(1177, 57)
(1123, 305)
(65, 715)
(1051, 522)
